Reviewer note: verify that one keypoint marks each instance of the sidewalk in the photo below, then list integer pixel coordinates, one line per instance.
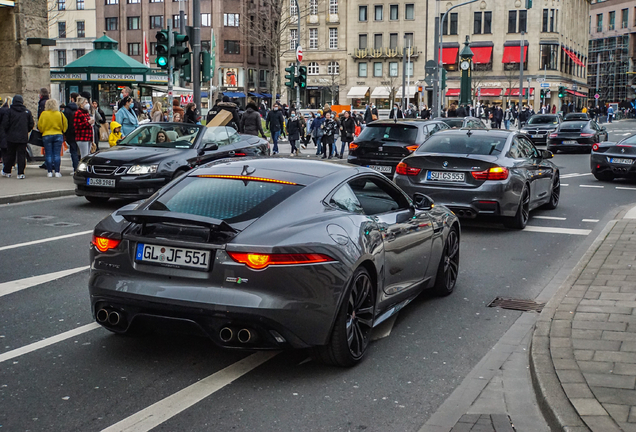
(37, 185)
(583, 356)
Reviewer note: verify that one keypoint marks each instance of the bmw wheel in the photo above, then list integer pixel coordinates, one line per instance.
(555, 194)
(448, 269)
(520, 219)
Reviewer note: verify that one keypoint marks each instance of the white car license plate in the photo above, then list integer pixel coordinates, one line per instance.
(570, 142)
(381, 168)
(536, 136)
(445, 176)
(177, 257)
(621, 161)
(100, 182)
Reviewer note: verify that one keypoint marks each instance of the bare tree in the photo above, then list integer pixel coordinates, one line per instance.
(392, 84)
(512, 80)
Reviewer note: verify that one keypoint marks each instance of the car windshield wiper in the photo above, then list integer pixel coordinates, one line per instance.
(150, 216)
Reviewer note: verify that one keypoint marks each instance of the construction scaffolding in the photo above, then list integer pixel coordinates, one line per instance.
(613, 65)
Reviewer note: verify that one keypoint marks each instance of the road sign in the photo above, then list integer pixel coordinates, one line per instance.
(540, 80)
(545, 85)
(299, 53)
(596, 96)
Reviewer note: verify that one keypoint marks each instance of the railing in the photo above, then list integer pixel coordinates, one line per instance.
(373, 53)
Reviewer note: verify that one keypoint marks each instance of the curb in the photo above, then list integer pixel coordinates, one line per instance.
(13, 199)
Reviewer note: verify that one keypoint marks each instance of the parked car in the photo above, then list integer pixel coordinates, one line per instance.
(539, 126)
(154, 154)
(476, 172)
(577, 135)
(463, 122)
(384, 143)
(612, 160)
(216, 249)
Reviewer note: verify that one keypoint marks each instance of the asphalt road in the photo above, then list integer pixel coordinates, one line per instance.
(92, 380)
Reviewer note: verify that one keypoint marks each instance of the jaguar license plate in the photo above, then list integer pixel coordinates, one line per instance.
(621, 161)
(172, 257)
(100, 182)
(570, 142)
(381, 168)
(445, 176)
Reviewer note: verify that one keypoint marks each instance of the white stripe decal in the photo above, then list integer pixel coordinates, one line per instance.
(549, 218)
(44, 240)
(46, 342)
(554, 230)
(172, 405)
(592, 186)
(20, 284)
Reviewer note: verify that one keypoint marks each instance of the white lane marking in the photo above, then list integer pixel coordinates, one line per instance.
(17, 245)
(20, 284)
(575, 175)
(172, 405)
(592, 186)
(625, 188)
(555, 230)
(625, 134)
(47, 342)
(589, 220)
(565, 184)
(549, 218)
(384, 329)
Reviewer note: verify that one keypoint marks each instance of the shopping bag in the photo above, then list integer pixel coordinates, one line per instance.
(36, 138)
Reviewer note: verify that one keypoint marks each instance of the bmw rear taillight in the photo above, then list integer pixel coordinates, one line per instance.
(259, 261)
(404, 169)
(595, 147)
(353, 146)
(494, 173)
(104, 244)
(412, 148)
(587, 135)
(554, 135)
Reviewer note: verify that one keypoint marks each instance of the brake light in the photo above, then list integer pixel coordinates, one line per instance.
(248, 178)
(595, 147)
(404, 169)
(259, 261)
(104, 244)
(587, 135)
(412, 148)
(353, 146)
(494, 173)
(554, 135)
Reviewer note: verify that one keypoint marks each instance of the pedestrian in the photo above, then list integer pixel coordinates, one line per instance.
(191, 114)
(100, 119)
(44, 96)
(308, 125)
(610, 114)
(452, 111)
(4, 111)
(232, 108)
(498, 116)
(213, 111)
(115, 134)
(293, 131)
(507, 118)
(52, 124)
(83, 125)
(125, 117)
(17, 124)
(275, 123)
(411, 112)
(176, 109)
(396, 112)
(317, 132)
(251, 122)
(135, 106)
(347, 130)
(329, 128)
(461, 111)
(425, 114)
(156, 114)
(524, 115)
(69, 112)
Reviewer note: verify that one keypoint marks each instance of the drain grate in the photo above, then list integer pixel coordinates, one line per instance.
(38, 217)
(517, 304)
(61, 224)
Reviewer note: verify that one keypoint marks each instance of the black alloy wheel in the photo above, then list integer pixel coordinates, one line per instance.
(555, 195)
(179, 173)
(448, 269)
(520, 220)
(354, 322)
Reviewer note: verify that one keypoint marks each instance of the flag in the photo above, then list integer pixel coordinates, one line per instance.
(212, 57)
(146, 53)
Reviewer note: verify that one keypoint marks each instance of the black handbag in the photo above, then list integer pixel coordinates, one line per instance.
(36, 138)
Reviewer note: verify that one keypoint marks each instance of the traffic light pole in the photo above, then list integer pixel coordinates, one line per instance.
(297, 62)
(196, 52)
(170, 70)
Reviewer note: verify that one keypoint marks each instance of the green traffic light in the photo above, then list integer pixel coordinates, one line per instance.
(162, 61)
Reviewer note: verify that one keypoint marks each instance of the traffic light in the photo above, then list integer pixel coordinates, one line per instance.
(302, 77)
(206, 66)
(185, 72)
(180, 51)
(163, 49)
(443, 83)
(561, 91)
(291, 76)
(542, 94)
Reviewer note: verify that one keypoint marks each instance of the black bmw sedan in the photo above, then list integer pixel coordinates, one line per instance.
(539, 126)
(272, 254)
(474, 172)
(576, 135)
(611, 160)
(383, 144)
(155, 153)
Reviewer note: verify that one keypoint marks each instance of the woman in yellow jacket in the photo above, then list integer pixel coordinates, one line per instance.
(115, 133)
(52, 124)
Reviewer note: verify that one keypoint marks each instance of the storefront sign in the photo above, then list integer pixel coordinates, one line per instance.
(68, 76)
(157, 79)
(230, 77)
(117, 77)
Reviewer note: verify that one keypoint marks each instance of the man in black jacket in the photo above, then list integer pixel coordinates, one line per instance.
(69, 112)
(17, 124)
(275, 123)
(251, 121)
(231, 107)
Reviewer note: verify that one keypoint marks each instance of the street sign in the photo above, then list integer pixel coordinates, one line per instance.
(596, 96)
(299, 53)
(540, 80)
(545, 85)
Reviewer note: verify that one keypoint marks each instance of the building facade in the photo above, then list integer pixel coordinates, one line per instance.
(612, 50)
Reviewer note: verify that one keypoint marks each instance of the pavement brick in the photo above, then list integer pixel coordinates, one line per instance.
(582, 355)
(588, 406)
(628, 346)
(619, 336)
(594, 344)
(559, 342)
(590, 316)
(605, 309)
(562, 353)
(472, 418)
(618, 412)
(618, 296)
(561, 332)
(622, 318)
(609, 380)
(613, 356)
(601, 424)
(587, 325)
(604, 288)
(578, 390)
(562, 315)
(586, 334)
(632, 414)
(567, 364)
(594, 294)
(570, 376)
(593, 366)
(624, 369)
(599, 302)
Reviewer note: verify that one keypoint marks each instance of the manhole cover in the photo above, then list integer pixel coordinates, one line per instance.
(38, 217)
(517, 304)
(62, 224)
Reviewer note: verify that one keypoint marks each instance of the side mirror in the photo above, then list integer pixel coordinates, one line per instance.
(208, 148)
(422, 202)
(546, 154)
(603, 128)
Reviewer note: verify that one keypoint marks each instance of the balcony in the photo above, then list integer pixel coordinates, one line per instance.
(383, 53)
(333, 18)
(313, 19)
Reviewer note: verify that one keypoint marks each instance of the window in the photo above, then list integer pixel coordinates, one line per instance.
(624, 17)
(453, 24)
(333, 38)
(61, 57)
(362, 70)
(378, 11)
(344, 199)
(393, 40)
(512, 21)
(362, 41)
(293, 10)
(313, 38)
(61, 4)
(156, 1)
(333, 7)
(81, 29)
(176, 21)
(153, 47)
(362, 13)
(134, 49)
(112, 2)
(377, 40)
(61, 29)
(313, 69)
(377, 69)
(409, 69)
(599, 22)
(394, 12)
(132, 23)
(230, 20)
(477, 23)
(293, 38)
(612, 20)
(79, 53)
(544, 28)
(523, 20)
(409, 11)
(111, 23)
(231, 47)
(549, 56)
(376, 196)
(408, 39)
(553, 20)
(134, 1)
(393, 69)
(313, 7)
(487, 22)
(206, 20)
(333, 68)
(156, 21)
(79, 4)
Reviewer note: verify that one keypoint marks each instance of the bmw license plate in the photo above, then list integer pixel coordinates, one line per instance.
(100, 182)
(621, 161)
(570, 142)
(381, 168)
(445, 176)
(536, 136)
(172, 257)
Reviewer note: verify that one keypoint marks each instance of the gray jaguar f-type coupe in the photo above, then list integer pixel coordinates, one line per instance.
(273, 254)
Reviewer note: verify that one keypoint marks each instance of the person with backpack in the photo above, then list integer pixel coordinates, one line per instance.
(17, 124)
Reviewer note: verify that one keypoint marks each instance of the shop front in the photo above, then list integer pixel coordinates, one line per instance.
(359, 97)
(380, 96)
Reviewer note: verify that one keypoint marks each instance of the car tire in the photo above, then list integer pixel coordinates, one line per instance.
(179, 173)
(351, 332)
(555, 193)
(448, 269)
(96, 199)
(520, 219)
(604, 176)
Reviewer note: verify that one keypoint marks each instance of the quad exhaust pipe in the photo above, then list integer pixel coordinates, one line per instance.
(226, 334)
(244, 336)
(104, 316)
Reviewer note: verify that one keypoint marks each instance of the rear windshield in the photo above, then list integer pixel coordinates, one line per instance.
(542, 119)
(573, 116)
(574, 125)
(629, 140)
(463, 144)
(392, 132)
(231, 200)
(455, 123)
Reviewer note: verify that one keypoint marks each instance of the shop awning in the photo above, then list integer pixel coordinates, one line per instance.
(357, 92)
(483, 55)
(573, 56)
(512, 54)
(449, 55)
(266, 95)
(258, 95)
(381, 93)
(234, 94)
(577, 94)
(491, 92)
(452, 92)
(515, 92)
(410, 92)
